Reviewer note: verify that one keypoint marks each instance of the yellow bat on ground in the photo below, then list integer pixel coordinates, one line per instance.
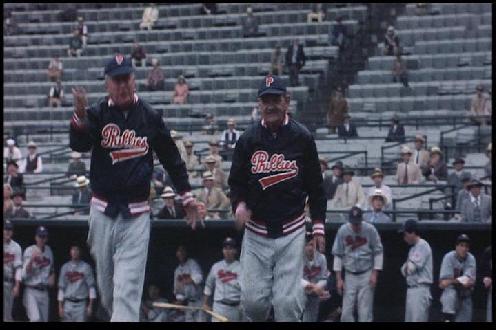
(217, 316)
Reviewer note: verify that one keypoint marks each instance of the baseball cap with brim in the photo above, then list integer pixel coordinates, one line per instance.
(463, 238)
(355, 215)
(41, 231)
(228, 241)
(409, 226)
(119, 65)
(272, 85)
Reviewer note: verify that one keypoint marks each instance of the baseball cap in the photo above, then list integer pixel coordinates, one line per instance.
(409, 226)
(228, 241)
(463, 238)
(41, 231)
(119, 65)
(355, 215)
(272, 85)
(7, 225)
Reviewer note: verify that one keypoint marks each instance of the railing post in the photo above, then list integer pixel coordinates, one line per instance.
(394, 209)
(366, 161)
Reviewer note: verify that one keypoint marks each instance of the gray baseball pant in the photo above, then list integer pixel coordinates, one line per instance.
(465, 311)
(232, 313)
(8, 300)
(462, 308)
(194, 315)
(418, 301)
(36, 304)
(120, 248)
(311, 310)
(269, 270)
(74, 311)
(357, 292)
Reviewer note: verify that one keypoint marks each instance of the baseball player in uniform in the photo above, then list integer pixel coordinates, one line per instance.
(457, 279)
(12, 265)
(223, 282)
(121, 130)
(357, 249)
(314, 280)
(188, 280)
(418, 271)
(38, 275)
(77, 292)
(275, 168)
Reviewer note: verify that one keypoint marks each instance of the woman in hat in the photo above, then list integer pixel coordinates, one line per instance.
(180, 91)
(436, 169)
(32, 163)
(338, 108)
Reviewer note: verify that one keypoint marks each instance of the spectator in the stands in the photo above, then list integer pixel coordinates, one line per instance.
(376, 205)
(10, 24)
(178, 140)
(421, 156)
(436, 169)
(392, 42)
(76, 166)
(249, 24)
(422, 8)
(407, 171)
(14, 178)
(83, 30)
(277, 61)
(150, 16)
(295, 61)
(214, 152)
(55, 69)
(255, 117)
(56, 95)
(181, 91)
(138, 55)
(209, 8)
(213, 197)
(11, 152)
(210, 127)
(217, 172)
(399, 70)
(480, 106)
(338, 33)
(331, 182)
(32, 163)
(464, 192)
(339, 107)
(82, 196)
(377, 178)
(317, 13)
(191, 160)
(17, 211)
(478, 207)
(8, 204)
(75, 45)
(230, 135)
(488, 166)
(156, 77)
(454, 178)
(347, 130)
(396, 132)
(170, 209)
(349, 193)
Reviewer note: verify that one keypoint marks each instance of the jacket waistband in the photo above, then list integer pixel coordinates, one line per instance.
(259, 227)
(135, 208)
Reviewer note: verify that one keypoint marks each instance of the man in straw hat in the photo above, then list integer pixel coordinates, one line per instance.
(454, 178)
(76, 166)
(213, 197)
(32, 163)
(436, 169)
(349, 193)
(478, 207)
(376, 202)
(407, 172)
(214, 152)
(170, 209)
(11, 152)
(217, 173)
(420, 156)
(82, 196)
(377, 178)
(191, 160)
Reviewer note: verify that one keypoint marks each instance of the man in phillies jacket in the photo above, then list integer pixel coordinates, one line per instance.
(275, 168)
(122, 130)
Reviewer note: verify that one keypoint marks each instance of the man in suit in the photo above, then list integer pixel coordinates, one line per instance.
(213, 197)
(14, 178)
(76, 166)
(347, 130)
(377, 202)
(331, 182)
(464, 192)
(436, 169)
(218, 173)
(454, 178)
(421, 157)
(17, 211)
(349, 193)
(407, 172)
(396, 133)
(377, 178)
(478, 208)
(82, 196)
(170, 209)
(295, 61)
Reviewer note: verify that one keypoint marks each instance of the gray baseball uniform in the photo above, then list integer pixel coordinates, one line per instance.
(455, 299)
(223, 280)
(191, 292)
(12, 265)
(315, 271)
(359, 253)
(418, 271)
(35, 297)
(76, 285)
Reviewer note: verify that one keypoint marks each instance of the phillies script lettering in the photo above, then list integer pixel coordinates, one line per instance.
(261, 163)
(132, 146)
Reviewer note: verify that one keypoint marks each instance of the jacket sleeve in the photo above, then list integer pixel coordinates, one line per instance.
(83, 133)
(313, 185)
(239, 175)
(169, 156)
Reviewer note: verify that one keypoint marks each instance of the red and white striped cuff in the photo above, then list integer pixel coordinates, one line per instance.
(187, 198)
(77, 123)
(318, 229)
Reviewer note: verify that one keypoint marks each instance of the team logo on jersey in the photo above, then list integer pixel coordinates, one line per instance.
(74, 276)
(312, 272)
(226, 276)
(41, 261)
(355, 243)
(261, 163)
(182, 277)
(119, 59)
(8, 258)
(131, 146)
(269, 81)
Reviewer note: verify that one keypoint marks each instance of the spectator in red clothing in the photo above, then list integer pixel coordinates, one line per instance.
(156, 77)
(180, 91)
(138, 55)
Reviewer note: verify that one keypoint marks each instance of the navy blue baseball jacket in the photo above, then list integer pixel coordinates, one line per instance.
(121, 159)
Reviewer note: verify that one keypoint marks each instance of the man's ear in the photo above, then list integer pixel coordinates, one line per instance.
(287, 98)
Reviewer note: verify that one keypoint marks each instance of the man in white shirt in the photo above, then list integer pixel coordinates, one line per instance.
(150, 16)
(420, 156)
(12, 152)
(230, 136)
(32, 163)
